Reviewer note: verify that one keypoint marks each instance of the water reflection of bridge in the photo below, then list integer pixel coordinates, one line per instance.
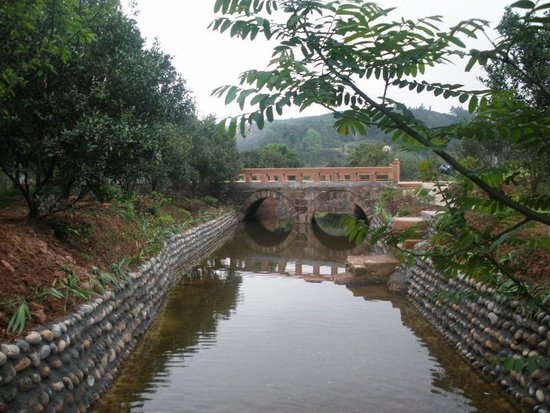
(304, 251)
(311, 270)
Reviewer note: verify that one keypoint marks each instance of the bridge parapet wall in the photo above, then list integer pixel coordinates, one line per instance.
(325, 174)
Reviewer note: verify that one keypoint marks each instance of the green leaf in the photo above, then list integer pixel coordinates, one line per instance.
(291, 22)
(243, 95)
(483, 103)
(260, 120)
(19, 319)
(232, 129)
(242, 126)
(457, 41)
(473, 60)
(523, 4)
(440, 142)
(472, 106)
(517, 365)
(218, 5)
(220, 127)
(269, 114)
(231, 94)
(531, 365)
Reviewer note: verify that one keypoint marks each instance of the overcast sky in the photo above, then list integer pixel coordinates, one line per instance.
(208, 59)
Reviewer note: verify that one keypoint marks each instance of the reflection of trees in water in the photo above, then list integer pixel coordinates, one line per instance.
(329, 223)
(338, 243)
(455, 372)
(192, 312)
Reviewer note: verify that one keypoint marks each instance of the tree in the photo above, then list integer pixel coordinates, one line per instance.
(526, 75)
(214, 156)
(525, 71)
(369, 154)
(81, 100)
(326, 49)
(39, 39)
(271, 156)
(311, 145)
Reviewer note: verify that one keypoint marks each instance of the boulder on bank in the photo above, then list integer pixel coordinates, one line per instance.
(399, 281)
(371, 268)
(344, 278)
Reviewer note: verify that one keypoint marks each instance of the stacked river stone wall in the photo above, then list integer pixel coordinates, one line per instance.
(488, 329)
(65, 366)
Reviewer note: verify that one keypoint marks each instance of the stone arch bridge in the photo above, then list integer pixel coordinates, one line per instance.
(300, 192)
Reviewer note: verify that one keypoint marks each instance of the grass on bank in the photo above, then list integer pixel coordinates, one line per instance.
(50, 266)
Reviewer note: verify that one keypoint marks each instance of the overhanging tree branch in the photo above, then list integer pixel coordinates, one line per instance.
(490, 191)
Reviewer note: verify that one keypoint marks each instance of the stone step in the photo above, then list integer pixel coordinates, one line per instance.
(372, 268)
(403, 223)
(410, 184)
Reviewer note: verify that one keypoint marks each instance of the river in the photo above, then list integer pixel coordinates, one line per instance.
(260, 327)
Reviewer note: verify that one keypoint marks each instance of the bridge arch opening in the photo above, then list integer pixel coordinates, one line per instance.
(274, 210)
(327, 210)
(251, 213)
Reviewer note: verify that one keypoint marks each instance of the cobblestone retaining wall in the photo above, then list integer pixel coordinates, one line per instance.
(487, 329)
(65, 366)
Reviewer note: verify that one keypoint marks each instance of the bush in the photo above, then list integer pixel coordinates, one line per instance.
(209, 200)
(106, 192)
(165, 220)
(62, 229)
(151, 204)
(185, 215)
(125, 208)
(426, 171)
(192, 205)
(396, 202)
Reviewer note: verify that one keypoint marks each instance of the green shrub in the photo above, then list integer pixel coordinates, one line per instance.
(185, 215)
(397, 202)
(165, 220)
(192, 205)
(106, 192)
(152, 203)
(62, 229)
(125, 208)
(426, 171)
(209, 200)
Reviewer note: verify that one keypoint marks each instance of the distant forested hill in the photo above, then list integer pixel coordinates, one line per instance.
(316, 141)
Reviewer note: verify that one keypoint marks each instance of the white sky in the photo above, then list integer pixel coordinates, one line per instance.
(207, 59)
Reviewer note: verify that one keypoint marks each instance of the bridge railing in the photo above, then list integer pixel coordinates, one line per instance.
(324, 174)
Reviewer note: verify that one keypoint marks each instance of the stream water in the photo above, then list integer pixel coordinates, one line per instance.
(259, 328)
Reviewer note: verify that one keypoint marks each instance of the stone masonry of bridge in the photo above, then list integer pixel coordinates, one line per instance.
(300, 192)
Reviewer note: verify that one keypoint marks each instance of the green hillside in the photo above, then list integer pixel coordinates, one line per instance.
(315, 140)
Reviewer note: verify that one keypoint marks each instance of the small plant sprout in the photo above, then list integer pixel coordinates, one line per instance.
(21, 315)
